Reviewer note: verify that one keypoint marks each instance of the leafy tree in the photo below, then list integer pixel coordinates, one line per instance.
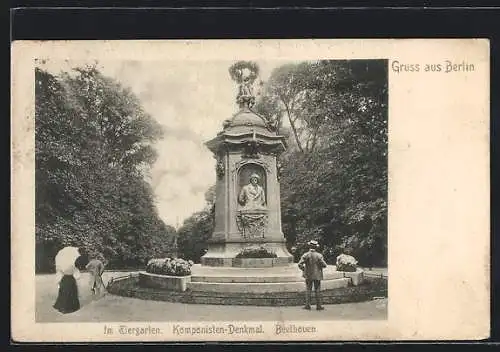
(194, 234)
(94, 144)
(334, 183)
(197, 229)
(334, 174)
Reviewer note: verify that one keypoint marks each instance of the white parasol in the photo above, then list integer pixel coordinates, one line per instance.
(65, 261)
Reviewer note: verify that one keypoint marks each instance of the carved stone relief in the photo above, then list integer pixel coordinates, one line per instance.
(252, 224)
(220, 168)
(252, 216)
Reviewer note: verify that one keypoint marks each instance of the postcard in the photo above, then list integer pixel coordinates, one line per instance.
(250, 190)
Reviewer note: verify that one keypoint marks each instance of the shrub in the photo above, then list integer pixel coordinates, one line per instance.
(260, 252)
(169, 266)
(346, 263)
(298, 250)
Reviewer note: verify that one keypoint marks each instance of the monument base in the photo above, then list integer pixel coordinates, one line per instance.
(279, 286)
(224, 255)
(265, 280)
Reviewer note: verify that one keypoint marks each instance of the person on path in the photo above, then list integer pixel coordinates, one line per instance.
(66, 275)
(96, 269)
(312, 264)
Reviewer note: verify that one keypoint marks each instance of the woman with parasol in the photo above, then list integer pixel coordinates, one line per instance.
(67, 273)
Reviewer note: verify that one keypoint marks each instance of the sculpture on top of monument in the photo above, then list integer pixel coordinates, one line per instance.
(245, 94)
(252, 195)
(244, 73)
(246, 150)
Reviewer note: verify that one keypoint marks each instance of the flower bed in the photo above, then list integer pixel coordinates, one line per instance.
(171, 274)
(346, 263)
(169, 266)
(252, 253)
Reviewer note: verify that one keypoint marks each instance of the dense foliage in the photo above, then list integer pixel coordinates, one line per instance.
(334, 176)
(94, 146)
(334, 173)
(197, 229)
(260, 252)
(170, 267)
(93, 150)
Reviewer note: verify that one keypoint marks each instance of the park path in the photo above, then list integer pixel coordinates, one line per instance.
(111, 308)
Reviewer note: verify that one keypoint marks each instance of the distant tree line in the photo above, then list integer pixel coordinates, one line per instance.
(334, 176)
(94, 147)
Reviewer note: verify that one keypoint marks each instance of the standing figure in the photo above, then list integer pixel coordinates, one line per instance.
(245, 94)
(252, 196)
(66, 273)
(246, 88)
(96, 269)
(312, 264)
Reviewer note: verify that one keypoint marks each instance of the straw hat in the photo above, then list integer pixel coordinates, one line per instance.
(313, 243)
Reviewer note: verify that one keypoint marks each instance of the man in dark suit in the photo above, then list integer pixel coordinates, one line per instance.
(312, 264)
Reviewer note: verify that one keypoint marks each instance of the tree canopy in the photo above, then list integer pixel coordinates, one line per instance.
(334, 173)
(334, 183)
(94, 146)
(197, 229)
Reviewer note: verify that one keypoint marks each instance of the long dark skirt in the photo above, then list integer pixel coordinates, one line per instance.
(67, 299)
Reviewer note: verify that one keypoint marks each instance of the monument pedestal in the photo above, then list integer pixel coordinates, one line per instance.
(276, 286)
(223, 254)
(286, 278)
(247, 194)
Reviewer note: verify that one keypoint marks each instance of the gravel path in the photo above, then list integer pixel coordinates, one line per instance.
(111, 308)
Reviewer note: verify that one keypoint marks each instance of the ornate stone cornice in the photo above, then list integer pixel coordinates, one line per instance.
(252, 143)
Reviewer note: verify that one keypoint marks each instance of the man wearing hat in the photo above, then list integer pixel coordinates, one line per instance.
(312, 264)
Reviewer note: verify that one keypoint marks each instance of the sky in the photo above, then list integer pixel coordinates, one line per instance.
(190, 99)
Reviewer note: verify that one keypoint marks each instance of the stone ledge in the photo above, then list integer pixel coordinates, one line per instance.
(246, 262)
(262, 287)
(216, 262)
(356, 277)
(288, 273)
(253, 262)
(173, 283)
(129, 287)
(260, 262)
(247, 279)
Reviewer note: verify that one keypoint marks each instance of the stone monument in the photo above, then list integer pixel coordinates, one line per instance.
(247, 215)
(247, 202)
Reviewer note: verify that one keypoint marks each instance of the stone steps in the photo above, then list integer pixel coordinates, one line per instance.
(269, 278)
(283, 275)
(262, 287)
(130, 288)
(246, 279)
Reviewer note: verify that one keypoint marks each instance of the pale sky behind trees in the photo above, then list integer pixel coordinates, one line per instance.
(190, 100)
